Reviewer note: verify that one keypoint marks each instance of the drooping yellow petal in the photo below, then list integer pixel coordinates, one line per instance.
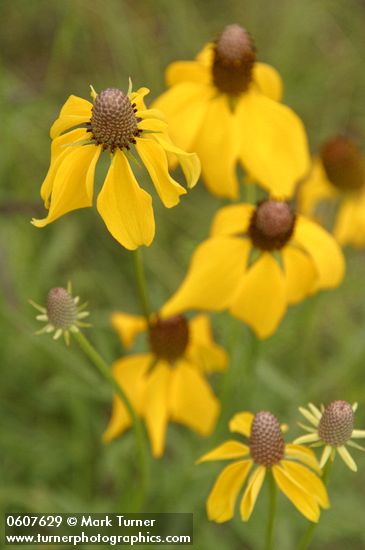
(75, 111)
(185, 106)
(126, 208)
(156, 411)
(314, 189)
(273, 143)
(350, 222)
(241, 423)
(130, 375)
(306, 504)
(251, 493)
(308, 480)
(128, 327)
(217, 145)
(323, 249)
(327, 451)
(153, 125)
(261, 298)
(214, 275)
(268, 81)
(187, 71)
(60, 148)
(191, 399)
(303, 454)
(73, 179)
(227, 450)
(189, 162)
(222, 498)
(300, 274)
(202, 351)
(232, 220)
(154, 158)
(347, 458)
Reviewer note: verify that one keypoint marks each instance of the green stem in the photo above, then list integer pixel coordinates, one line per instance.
(105, 371)
(269, 545)
(141, 284)
(308, 535)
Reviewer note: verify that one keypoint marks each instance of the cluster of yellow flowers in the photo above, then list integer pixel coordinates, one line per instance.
(221, 110)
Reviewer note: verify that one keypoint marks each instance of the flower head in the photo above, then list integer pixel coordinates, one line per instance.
(121, 124)
(257, 261)
(62, 313)
(337, 179)
(333, 427)
(226, 106)
(291, 466)
(169, 382)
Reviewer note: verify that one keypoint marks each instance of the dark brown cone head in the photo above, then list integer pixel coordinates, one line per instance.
(336, 424)
(343, 163)
(234, 58)
(61, 308)
(272, 225)
(169, 337)
(113, 121)
(267, 445)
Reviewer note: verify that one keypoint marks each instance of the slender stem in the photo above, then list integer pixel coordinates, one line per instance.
(308, 535)
(269, 545)
(105, 371)
(141, 283)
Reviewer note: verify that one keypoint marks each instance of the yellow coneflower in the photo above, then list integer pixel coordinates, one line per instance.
(169, 382)
(257, 261)
(225, 106)
(118, 123)
(333, 427)
(266, 451)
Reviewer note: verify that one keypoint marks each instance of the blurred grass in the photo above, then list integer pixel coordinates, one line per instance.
(53, 407)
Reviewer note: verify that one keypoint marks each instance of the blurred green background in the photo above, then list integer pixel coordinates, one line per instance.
(54, 408)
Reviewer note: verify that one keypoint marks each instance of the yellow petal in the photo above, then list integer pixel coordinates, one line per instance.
(303, 454)
(241, 423)
(251, 493)
(306, 505)
(347, 458)
(154, 158)
(350, 222)
(138, 96)
(192, 401)
(300, 274)
(206, 55)
(232, 220)
(261, 297)
(130, 374)
(273, 143)
(73, 180)
(323, 249)
(126, 208)
(308, 481)
(202, 351)
(189, 162)
(217, 145)
(227, 450)
(128, 327)
(268, 81)
(185, 106)
(213, 277)
(156, 410)
(187, 71)
(315, 189)
(153, 125)
(60, 148)
(222, 498)
(75, 111)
